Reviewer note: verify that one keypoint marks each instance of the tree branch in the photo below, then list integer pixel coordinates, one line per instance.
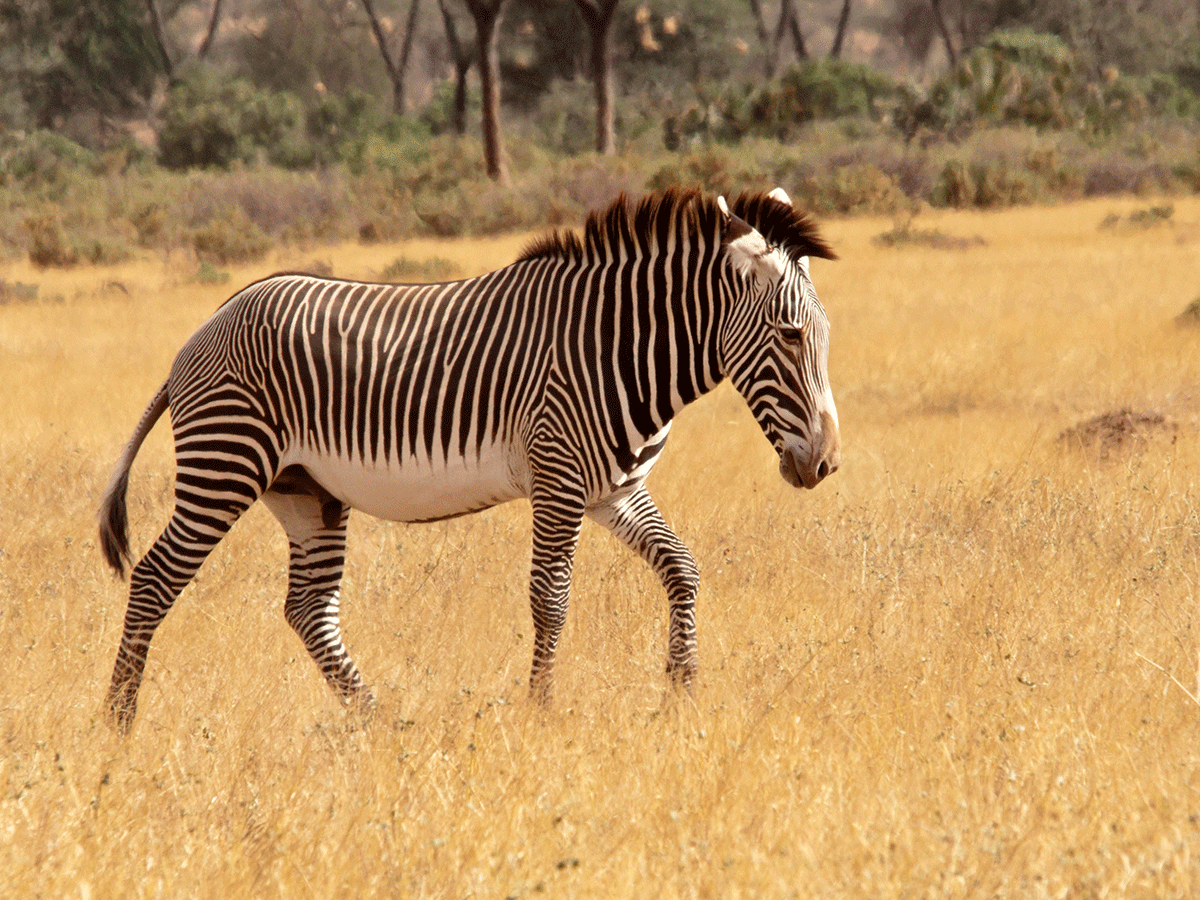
(160, 37)
(944, 31)
(381, 40)
(211, 34)
(835, 51)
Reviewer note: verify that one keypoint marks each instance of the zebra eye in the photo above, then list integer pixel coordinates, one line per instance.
(793, 334)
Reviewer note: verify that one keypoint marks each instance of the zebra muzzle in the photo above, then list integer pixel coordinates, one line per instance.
(803, 467)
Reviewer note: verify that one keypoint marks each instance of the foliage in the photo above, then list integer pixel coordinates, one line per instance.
(17, 292)
(438, 114)
(52, 245)
(45, 161)
(208, 120)
(61, 57)
(338, 124)
(816, 89)
(230, 237)
(309, 48)
(1019, 76)
(832, 89)
(399, 182)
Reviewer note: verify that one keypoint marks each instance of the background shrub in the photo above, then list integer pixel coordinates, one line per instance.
(230, 237)
(209, 121)
(45, 163)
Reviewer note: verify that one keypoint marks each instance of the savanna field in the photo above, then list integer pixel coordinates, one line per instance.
(966, 665)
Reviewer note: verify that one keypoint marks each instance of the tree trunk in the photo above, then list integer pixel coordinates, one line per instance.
(462, 65)
(460, 97)
(487, 26)
(158, 30)
(160, 38)
(835, 51)
(211, 35)
(397, 69)
(600, 15)
(769, 51)
(944, 32)
(410, 30)
(789, 19)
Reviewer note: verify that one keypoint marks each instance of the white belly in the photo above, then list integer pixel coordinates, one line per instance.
(416, 490)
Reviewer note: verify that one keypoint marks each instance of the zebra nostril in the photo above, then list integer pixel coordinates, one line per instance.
(823, 469)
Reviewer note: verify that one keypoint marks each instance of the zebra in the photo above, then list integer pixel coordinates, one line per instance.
(554, 379)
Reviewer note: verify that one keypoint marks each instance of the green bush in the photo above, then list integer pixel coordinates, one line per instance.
(835, 88)
(1121, 101)
(818, 89)
(1020, 77)
(564, 118)
(230, 238)
(45, 160)
(51, 245)
(209, 121)
(438, 114)
(338, 125)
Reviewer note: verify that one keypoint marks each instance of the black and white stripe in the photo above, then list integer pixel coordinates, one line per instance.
(555, 379)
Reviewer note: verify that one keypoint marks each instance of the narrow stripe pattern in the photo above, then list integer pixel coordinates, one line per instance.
(554, 379)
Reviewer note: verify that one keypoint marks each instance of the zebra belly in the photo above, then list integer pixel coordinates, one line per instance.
(417, 490)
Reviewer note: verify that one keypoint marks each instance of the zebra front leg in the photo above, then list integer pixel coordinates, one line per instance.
(557, 517)
(637, 522)
(316, 528)
(155, 583)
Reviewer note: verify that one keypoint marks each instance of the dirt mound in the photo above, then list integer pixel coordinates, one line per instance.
(1190, 317)
(1118, 431)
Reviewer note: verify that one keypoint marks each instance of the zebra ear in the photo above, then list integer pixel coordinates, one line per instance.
(747, 249)
(732, 228)
(781, 195)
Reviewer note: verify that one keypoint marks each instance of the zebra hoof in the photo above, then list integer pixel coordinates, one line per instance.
(360, 707)
(121, 713)
(682, 675)
(541, 691)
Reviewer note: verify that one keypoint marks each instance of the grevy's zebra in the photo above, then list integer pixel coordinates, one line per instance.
(555, 378)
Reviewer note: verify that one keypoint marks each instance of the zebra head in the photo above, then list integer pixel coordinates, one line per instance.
(775, 341)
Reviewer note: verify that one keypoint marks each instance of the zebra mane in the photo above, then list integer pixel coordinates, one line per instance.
(641, 225)
(782, 225)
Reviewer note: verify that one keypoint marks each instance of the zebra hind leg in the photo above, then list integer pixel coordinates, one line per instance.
(154, 584)
(637, 522)
(315, 523)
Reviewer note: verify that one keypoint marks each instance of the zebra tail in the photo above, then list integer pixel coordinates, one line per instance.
(114, 520)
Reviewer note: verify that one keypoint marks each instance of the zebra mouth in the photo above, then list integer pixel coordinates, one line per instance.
(792, 470)
(791, 466)
(799, 473)
(789, 473)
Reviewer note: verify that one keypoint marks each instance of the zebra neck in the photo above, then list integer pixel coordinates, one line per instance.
(660, 324)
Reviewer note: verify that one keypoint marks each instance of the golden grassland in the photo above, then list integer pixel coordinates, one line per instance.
(964, 666)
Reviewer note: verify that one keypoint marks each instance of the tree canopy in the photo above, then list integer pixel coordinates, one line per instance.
(707, 68)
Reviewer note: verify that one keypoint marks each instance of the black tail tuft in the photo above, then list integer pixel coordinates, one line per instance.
(114, 524)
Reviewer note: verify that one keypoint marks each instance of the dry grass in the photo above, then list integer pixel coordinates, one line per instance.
(966, 666)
